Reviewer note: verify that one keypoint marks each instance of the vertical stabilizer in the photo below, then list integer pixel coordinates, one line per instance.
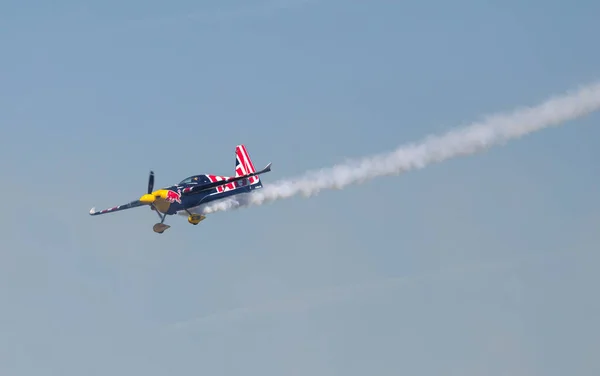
(244, 166)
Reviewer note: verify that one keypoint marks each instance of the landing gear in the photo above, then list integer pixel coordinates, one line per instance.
(159, 228)
(195, 218)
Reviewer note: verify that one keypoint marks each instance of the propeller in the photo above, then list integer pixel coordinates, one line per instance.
(150, 182)
(149, 198)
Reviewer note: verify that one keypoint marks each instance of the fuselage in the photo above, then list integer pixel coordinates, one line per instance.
(173, 206)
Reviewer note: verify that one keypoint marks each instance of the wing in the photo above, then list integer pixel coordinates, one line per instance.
(209, 186)
(132, 204)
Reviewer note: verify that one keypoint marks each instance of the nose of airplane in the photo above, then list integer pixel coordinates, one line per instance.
(147, 199)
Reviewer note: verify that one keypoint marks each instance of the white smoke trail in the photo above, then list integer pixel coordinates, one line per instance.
(477, 137)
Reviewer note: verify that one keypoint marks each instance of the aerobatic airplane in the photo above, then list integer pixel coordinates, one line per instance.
(195, 191)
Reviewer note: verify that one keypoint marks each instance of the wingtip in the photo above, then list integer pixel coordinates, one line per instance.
(92, 211)
(268, 168)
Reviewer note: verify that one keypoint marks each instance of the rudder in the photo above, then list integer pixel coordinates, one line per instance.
(244, 166)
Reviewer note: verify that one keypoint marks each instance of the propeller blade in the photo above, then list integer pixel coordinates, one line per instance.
(150, 182)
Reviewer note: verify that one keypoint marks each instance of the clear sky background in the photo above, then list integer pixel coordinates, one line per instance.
(486, 265)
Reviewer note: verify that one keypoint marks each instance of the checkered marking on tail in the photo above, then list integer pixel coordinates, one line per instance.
(243, 164)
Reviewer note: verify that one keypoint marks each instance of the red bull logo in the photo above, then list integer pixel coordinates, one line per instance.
(173, 196)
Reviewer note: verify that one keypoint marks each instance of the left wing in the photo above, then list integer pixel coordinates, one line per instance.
(209, 186)
(132, 204)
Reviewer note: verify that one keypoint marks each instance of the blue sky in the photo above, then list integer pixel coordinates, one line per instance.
(485, 265)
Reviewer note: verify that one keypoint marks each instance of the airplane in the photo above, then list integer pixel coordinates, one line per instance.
(196, 190)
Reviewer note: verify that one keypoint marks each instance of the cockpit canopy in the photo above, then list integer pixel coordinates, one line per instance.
(200, 179)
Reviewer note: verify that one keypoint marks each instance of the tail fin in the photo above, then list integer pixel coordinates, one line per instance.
(244, 165)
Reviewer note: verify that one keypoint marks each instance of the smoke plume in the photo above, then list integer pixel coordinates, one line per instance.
(477, 137)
